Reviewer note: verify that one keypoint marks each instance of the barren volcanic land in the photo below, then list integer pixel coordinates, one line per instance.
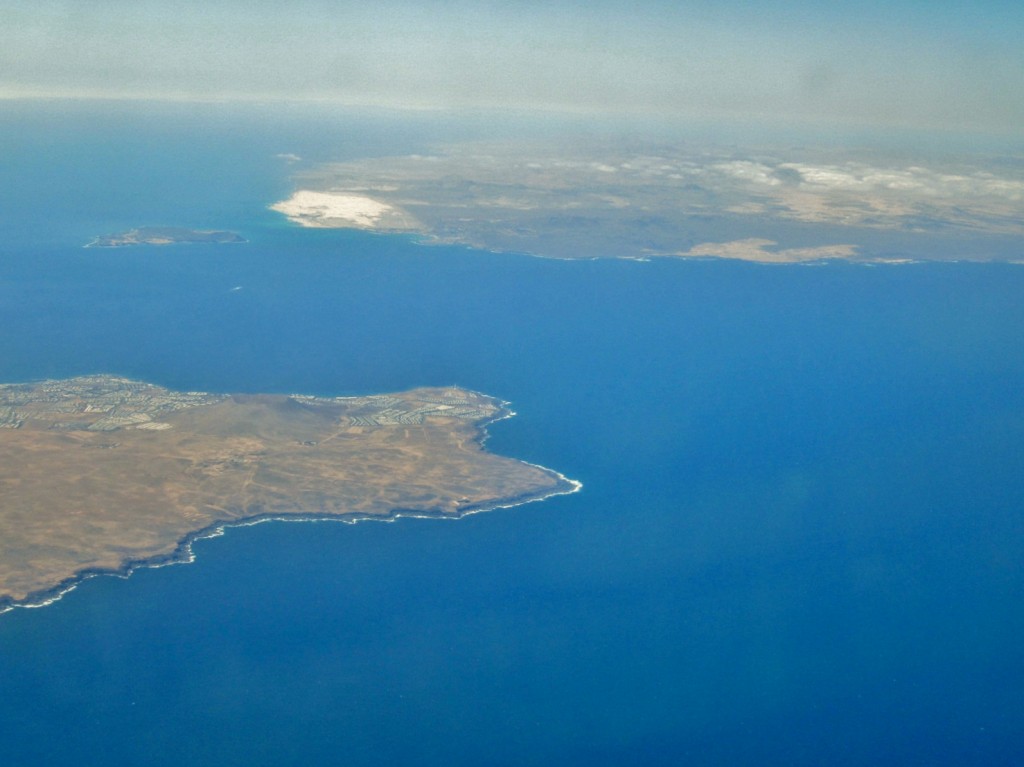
(101, 474)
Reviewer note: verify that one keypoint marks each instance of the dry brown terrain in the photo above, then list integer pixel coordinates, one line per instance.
(588, 198)
(103, 473)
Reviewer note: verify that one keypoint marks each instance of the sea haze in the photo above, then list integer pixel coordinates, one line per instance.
(799, 540)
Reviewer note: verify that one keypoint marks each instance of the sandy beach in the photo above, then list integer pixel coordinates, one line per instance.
(331, 210)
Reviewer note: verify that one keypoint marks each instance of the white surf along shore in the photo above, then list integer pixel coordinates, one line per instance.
(185, 554)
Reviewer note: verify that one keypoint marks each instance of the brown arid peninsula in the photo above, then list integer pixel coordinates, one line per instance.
(101, 474)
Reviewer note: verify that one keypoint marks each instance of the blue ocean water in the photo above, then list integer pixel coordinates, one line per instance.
(799, 541)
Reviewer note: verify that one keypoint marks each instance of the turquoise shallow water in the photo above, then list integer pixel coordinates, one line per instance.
(799, 540)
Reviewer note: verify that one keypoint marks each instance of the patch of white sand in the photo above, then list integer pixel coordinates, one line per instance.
(327, 209)
(755, 249)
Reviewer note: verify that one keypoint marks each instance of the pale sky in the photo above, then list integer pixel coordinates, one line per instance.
(940, 64)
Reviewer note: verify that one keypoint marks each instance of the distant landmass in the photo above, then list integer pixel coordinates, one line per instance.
(603, 200)
(163, 235)
(101, 474)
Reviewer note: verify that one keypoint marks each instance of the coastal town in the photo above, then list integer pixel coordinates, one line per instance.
(109, 403)
(93, 403)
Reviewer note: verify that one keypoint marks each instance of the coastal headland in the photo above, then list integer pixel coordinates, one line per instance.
(101, 474)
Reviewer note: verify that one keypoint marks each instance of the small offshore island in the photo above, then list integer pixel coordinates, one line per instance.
(101, 474)
(164, 235)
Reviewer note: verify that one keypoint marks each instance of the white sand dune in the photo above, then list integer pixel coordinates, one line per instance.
(327, 209)
(763, 251)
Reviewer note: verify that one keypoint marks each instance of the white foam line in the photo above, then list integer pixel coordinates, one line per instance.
(189, 556)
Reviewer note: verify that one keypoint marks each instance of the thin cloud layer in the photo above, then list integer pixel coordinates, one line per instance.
(934, 67)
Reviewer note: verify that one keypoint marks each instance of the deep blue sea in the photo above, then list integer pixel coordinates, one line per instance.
(800, 539)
